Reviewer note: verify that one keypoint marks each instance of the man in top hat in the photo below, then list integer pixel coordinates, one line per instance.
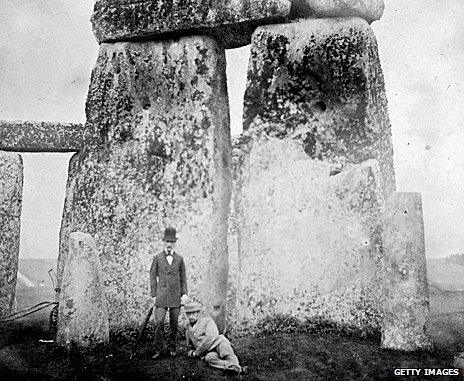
(203, 336)
(169, 288)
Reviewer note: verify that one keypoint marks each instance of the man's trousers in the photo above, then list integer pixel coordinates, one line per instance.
(223, 357)
(160, 315)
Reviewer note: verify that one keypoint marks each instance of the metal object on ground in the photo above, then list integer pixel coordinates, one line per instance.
(53, 320)
(142, 329)
(27, 311)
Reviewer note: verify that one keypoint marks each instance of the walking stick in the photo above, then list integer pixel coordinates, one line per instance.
(142, 329)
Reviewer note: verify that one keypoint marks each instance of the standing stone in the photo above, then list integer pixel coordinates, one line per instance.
(82, 311)
(66, 220)
(369, 10)
(11, 188)
(308, 237)
(406, 290)
(231, 22)
(157, 154)
(320, 82)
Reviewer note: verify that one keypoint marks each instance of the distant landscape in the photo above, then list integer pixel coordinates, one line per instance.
(445, 278)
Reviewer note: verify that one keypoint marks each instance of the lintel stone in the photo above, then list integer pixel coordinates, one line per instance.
(21, 136)
(369, 10)
(231, 22)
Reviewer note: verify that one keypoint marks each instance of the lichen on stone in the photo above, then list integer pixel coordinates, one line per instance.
(11, 187)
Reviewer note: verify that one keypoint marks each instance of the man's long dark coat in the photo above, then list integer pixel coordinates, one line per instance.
(168, 282)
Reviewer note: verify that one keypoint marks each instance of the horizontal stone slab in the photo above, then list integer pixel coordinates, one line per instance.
(230, 21)
(370, 10)
(40, 136)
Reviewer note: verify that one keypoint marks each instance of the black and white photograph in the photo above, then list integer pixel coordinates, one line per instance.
(231, 190)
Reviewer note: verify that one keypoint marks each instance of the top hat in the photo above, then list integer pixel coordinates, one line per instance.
(192, 307)
(170, 235)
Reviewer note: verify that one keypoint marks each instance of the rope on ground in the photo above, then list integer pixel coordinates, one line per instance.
(27, 311)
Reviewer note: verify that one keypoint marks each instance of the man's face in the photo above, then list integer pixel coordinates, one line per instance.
(193, 317)
(169, 246)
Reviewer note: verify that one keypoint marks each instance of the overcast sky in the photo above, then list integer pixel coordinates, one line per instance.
(47, 51)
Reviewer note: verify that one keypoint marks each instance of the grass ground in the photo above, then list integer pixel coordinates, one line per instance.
(326, 354)
(285, 356)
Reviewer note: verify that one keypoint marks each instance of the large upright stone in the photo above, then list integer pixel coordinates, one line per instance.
(66, 220)
(11, 188)
(320, 82)
(370, 10)
(231, 22)
(406, 289)
(157, 154)
(40, 136)
(82, 311)
(309, 237)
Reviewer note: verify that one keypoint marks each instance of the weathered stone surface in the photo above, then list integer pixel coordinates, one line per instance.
(406, 293)
(230, 21)
(161, 158)
(459, 361)
(40, 136)
(370, 10)
(82, 311)
(308, 239)
(320, 82)
(66, 221)
(11, 188)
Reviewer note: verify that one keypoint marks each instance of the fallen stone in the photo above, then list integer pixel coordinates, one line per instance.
(82, 311)
(231, 22)
(406, 301)
(370, 10)
(309, 238)
(40, 136)
(66, 220)
(11, 188)
(161, 158)
(320, 82)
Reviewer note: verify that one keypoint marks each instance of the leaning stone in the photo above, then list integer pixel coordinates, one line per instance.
(309, 237)
(40, 136)
(162, 158)
(320, 82)
(11, 189)
(66, 220)
(82, 311)
(406, 309)
(231, 22)
(370, 10)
